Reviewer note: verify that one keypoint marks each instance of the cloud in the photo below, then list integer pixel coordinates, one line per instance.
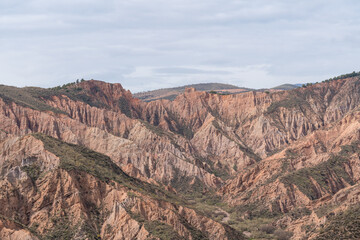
(247, 76)
(153, 44)
(188, 70)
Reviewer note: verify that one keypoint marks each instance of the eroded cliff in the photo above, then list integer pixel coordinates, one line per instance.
(284, 159)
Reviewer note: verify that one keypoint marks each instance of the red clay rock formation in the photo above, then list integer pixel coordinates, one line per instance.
(274, 152)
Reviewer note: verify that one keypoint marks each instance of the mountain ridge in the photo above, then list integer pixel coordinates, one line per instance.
(244, 153)
(171, 93)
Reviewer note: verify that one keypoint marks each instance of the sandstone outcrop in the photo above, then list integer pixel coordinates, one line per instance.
(291, 157)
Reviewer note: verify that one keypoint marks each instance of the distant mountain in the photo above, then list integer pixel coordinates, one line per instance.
(172, 93)
(287, 86)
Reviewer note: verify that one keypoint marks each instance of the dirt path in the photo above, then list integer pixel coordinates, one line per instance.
(226, 218)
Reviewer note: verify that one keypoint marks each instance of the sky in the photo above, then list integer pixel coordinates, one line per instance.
(147, 45)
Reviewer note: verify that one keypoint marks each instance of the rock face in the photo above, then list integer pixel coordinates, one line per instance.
(51, 194)
(290, 157)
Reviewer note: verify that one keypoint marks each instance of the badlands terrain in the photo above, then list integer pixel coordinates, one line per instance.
(88, 160)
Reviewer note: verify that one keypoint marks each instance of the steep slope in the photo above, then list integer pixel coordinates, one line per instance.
(299, 187)
(282, 159)
(158, 156)
(63, 191)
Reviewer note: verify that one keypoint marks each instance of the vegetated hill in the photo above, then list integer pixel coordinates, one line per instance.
(286, 87)
(171, 93)
(88, 159)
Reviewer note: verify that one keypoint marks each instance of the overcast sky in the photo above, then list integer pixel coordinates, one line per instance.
(145, 44)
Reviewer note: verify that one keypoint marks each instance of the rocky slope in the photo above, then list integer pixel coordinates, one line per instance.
(274, 164)
(56, 190)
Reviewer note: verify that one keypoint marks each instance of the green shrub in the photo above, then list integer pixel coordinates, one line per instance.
(62, 229)
(33, 171)
(75, 158)
(125, 107)
(27, 97)
(282, 235)
(33, 97)
(293, 101)
(267, 228)
(162, 230)
(321, 173)
(345, 225)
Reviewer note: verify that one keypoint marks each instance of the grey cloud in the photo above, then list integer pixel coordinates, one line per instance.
(182, 70)
(152, 44)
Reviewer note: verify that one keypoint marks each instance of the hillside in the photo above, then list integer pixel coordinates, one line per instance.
(90, 160)
(286, 87)
(171, 93)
